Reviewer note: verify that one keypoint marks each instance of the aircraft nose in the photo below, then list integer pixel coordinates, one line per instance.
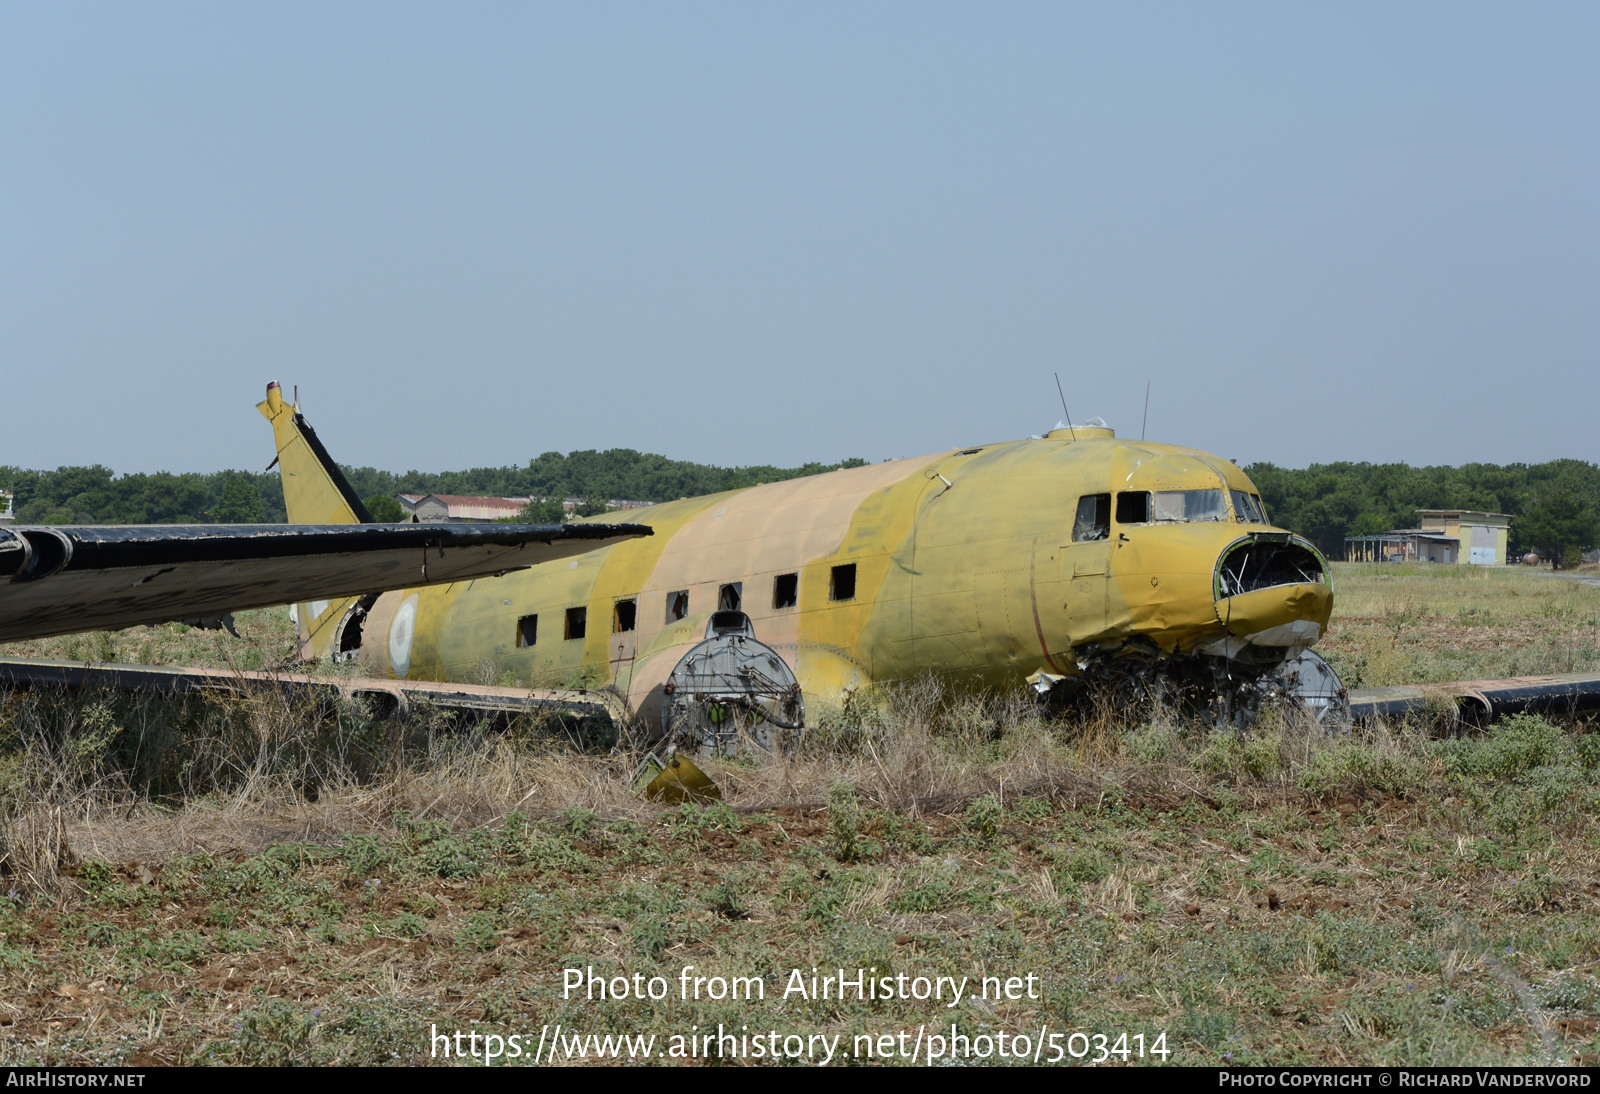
(1273, 591)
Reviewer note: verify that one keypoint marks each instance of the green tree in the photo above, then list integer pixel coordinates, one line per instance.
(238, 502)
(385, 509)
(548, 511)
(1560, 520)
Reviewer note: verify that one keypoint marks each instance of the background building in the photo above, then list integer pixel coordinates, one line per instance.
(1446, 535)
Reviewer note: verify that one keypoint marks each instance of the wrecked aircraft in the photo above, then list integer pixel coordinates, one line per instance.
(1064, 560)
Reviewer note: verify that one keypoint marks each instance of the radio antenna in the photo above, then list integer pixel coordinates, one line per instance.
(1064, 409)
(1146, 410)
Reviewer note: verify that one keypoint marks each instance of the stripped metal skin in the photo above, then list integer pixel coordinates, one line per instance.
(975, 564)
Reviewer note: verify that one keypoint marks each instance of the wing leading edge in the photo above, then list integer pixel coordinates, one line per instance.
(63, 580)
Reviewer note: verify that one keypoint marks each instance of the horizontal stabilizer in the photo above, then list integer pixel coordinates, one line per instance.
(63, 580)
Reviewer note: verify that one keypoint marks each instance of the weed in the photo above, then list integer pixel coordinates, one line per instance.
(275, 1033)
(844, 822)
(984, 815)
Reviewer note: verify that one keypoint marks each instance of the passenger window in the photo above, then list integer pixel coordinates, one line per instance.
(625, 616)
(527, 630)
(577, 622)
(843, 584)
(1133, 507)
(1094, 518)
(729, 596)
(677, 605)
(785, 590)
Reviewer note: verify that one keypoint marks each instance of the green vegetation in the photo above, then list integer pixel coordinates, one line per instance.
(1555, 506)
(94, 495)
(385, 509)
(1277, 899)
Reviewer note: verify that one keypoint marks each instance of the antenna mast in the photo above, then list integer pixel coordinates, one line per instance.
(1064, 409)
(1146, 420)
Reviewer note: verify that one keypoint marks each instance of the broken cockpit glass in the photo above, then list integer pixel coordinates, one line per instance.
(1094, 518)
(1247, 509)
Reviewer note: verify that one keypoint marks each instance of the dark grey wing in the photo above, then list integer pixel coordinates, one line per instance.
(63, 580)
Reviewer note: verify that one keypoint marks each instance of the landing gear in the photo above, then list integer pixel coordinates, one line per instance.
(1304, 683)
(1223, 692)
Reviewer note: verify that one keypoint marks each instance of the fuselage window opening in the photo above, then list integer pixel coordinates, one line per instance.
(625, 615)
(1261, 507)
(1094, 518)
(577, 622)
(1133, 507)
(729, 596)
(785, 590)
(842, 585)
(527, 630)
(677, 605)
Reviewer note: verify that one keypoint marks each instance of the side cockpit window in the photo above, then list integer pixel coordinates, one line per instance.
(1246, 508)
(1133, 507)
(1094, 518)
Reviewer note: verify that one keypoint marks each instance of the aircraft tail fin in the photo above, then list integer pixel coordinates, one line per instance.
(315, 491)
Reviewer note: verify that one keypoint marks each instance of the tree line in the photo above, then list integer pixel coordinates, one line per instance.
(1555, 506)
(96, 495)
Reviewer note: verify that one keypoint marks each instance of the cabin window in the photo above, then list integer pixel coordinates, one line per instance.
(577, 622)
(1133, 507)
(843, 583)
(1261, 507)
(729, 596)
(527, 630)
(785, 590)
(677, 605)
(625, 616)
(1094, 518)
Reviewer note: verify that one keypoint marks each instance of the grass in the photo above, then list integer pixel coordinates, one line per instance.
(1280, 898)
(266, 638)
(1422, 624)
(245, 881)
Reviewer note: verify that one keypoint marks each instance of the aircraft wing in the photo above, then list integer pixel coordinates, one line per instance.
(63, 580)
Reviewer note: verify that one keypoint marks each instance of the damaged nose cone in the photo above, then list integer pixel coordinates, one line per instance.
(1273, 594)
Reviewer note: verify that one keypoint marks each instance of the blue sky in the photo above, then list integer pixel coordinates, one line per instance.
(760, 233)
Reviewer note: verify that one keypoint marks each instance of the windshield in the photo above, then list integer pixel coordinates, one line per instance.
(1190, 505)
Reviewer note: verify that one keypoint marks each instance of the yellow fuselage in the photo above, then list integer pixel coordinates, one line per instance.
(962, 563)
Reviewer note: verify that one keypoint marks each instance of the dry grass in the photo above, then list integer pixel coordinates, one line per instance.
(1420, 624)
(226, 880)
(322, 889)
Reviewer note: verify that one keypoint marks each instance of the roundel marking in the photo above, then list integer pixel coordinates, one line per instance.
(401, 631)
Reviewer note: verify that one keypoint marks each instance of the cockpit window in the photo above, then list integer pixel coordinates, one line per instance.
(1133, 507)
(1190, 505)
(1094, 518)
(1246, 510)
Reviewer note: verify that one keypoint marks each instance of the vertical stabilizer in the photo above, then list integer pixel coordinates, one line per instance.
(315, 491)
